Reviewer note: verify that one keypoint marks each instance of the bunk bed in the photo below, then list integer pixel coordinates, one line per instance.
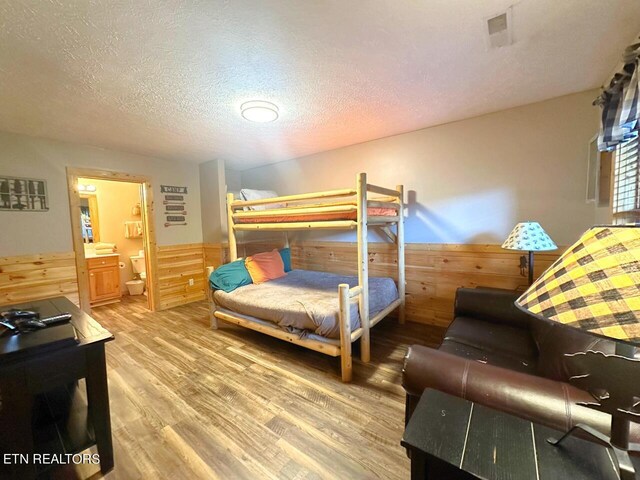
(361, 208)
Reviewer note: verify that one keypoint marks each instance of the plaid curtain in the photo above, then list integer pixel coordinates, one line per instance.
(620, 103)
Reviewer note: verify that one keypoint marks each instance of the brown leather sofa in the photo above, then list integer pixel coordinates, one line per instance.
(498, 356)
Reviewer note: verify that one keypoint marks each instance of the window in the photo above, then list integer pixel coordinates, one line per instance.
(626, 193)
(599, 171)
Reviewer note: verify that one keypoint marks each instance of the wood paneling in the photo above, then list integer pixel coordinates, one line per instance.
(433, 271)
(34, 277)
(176, 265)
(215, 254)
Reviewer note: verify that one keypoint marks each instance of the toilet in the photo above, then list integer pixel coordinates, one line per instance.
(137, 287)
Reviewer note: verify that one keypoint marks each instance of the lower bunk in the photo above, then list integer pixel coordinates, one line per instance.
(303, 308)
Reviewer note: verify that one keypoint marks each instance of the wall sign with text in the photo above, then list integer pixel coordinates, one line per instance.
(173, 189)
(23, 194)
(175, 205)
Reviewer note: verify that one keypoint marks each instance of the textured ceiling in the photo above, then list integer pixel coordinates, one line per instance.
(166, 78)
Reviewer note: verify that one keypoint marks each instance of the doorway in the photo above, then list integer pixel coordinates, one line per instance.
(99, 268)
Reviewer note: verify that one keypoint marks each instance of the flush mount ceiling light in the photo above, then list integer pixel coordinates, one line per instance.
(86, 188)
(259, 111)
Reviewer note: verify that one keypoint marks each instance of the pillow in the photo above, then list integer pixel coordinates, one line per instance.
(249, 194)
(230, 276)
(265, 266)
(285, 253)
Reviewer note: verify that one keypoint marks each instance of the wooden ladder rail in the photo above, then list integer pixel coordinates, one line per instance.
(212, 306)
(363, 266)
(231, 231)
(399, 241)
(346, 361)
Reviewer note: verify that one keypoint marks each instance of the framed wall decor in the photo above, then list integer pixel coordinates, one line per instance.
(23, 194)
(175, 205)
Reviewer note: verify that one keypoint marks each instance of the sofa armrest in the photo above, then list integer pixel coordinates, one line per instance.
(540, 400)
(492, 305)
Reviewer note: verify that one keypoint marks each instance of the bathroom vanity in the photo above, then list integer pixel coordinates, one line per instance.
(104, 279)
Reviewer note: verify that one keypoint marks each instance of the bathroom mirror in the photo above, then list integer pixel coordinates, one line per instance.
(89, 218)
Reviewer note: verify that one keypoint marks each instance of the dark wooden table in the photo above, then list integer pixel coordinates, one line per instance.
(452, 438)
(43, 410)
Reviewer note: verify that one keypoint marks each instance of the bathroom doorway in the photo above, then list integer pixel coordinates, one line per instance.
(112, 223)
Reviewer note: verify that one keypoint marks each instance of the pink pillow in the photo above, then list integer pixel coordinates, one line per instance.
(265, 266)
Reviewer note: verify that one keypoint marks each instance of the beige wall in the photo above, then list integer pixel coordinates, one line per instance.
(115, 201)
(215, 182)
(467, 182)
(470, 181)
(233, 180)
(212, 197)
(36, 232)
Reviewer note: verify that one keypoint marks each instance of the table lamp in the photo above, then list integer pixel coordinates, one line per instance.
(595, 287)
(531, 237)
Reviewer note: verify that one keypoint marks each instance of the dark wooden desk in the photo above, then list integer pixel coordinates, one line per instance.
(42, 410)
(452, 438)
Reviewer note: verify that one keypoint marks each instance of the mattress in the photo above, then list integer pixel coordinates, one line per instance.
(305, 301)
(317, 217)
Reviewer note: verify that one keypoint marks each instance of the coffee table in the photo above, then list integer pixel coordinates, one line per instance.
(449, 437)
(43, 410)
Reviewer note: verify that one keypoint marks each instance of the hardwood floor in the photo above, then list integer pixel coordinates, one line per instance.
(190, 402)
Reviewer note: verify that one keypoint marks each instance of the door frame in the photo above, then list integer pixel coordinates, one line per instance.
(148, 220)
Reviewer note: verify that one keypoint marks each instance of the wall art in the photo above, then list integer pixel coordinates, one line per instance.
(23, 194)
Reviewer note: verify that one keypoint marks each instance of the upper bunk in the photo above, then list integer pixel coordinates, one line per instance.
(370, 204)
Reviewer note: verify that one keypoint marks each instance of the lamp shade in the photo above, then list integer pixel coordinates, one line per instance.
(529, 236)
(594, 286)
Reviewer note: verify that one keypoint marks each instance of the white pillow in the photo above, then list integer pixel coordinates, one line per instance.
(249, 194)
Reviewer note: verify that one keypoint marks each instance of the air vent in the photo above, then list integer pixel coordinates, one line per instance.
(498, 30)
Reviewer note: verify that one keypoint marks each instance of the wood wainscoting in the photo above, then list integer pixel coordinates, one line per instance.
(433, 271)
(215, 254)
(34, 277)
(176, 265)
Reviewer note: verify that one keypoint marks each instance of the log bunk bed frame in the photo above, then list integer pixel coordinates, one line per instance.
(389, 199)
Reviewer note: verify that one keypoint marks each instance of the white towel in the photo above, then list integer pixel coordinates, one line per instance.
(104, 245)
(133, 229)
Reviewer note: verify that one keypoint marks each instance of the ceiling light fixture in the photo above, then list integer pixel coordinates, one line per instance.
(259, 111)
